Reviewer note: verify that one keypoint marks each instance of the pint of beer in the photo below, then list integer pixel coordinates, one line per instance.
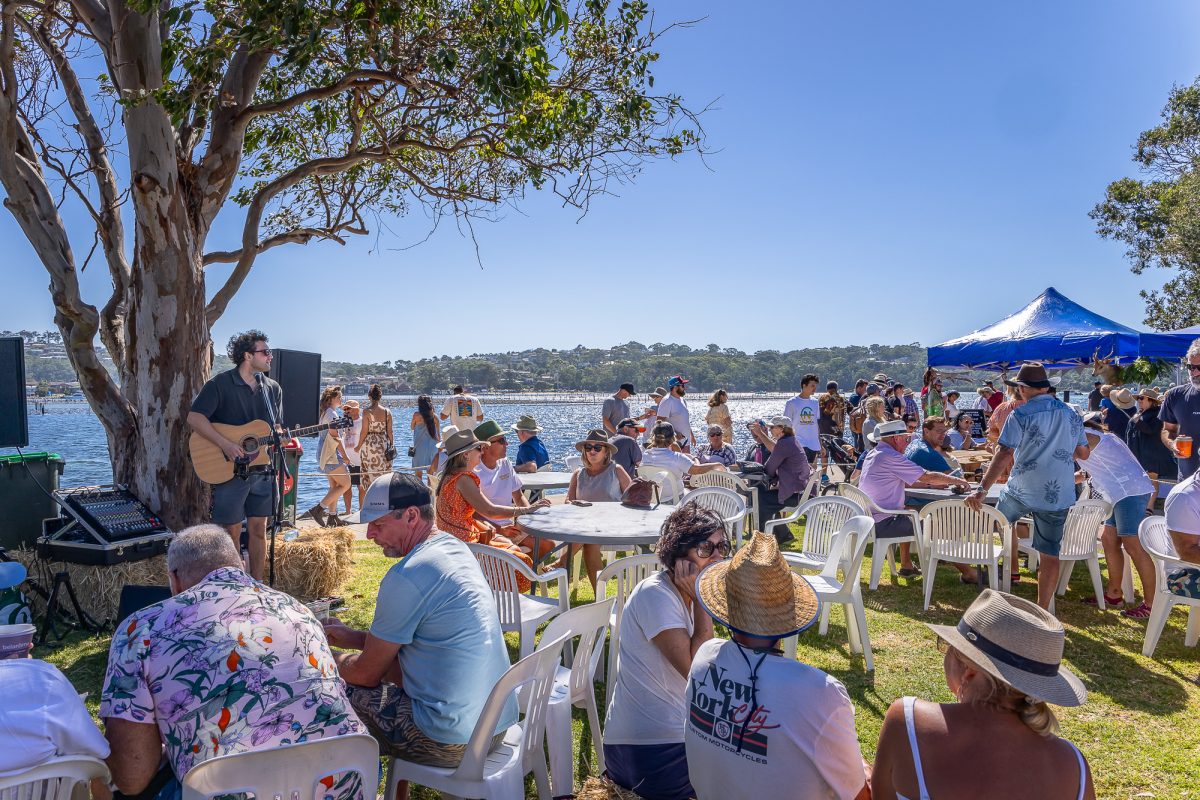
(1184, 445)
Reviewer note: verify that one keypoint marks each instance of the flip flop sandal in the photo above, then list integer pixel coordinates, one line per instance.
(1117, 602)
(908, 572)
(1141, 611)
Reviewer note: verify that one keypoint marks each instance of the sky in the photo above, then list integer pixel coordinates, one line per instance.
(879, 172)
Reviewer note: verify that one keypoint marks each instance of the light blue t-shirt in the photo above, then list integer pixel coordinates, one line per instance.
(1044, 433)
(438, 606)
(919, 452)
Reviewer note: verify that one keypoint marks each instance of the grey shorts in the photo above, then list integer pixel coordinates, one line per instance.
(239, 499)
(387, 712)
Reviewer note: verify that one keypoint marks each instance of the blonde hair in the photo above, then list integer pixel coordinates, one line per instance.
(874, 407)
(328, 395)
(1036, 714)
(718, 397)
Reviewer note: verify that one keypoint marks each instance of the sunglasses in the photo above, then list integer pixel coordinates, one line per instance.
(706, 548)
(1193, 367)
(593, 448)
(266, 351)
(501, 440)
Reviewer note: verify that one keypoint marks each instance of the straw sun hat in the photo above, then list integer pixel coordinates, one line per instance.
(756, 594)
(596, 436)
(1017, 642)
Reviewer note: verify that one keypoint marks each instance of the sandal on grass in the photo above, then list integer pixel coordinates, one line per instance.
(1116, 602)
(1141, 611)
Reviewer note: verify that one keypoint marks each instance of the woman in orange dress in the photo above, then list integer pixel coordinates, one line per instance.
(461, 505)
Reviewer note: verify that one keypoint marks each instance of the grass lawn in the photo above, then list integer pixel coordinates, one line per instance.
(1139, 728)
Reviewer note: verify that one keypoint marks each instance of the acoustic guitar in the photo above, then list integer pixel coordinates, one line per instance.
(213, 466)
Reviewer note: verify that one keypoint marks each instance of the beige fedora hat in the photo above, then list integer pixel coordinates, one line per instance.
(1121, 398)
(755, 593)
(460, 442)
(1017, 642)
(1150, 393)
(596, 436)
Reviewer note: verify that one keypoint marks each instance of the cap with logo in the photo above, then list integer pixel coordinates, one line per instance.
(393, 492)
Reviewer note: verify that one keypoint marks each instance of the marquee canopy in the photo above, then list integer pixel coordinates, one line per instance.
(1171, 345)
(1052, 329)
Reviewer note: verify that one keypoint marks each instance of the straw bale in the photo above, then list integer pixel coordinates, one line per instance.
(601, 788)
(97, 587)
(314, 564)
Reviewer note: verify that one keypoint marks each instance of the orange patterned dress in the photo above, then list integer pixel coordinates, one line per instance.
(456, 516)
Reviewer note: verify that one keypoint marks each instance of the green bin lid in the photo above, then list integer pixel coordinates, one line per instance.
(41, 456)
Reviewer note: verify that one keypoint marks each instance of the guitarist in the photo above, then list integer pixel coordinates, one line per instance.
(234, 397)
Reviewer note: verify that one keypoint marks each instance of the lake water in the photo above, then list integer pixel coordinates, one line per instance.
(73, 431)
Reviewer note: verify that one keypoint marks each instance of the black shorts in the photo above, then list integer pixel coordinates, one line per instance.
(242, 498)
(355, 473)
(894, 526)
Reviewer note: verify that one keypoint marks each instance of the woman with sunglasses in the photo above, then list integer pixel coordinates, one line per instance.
(599, 480)
(661, 629)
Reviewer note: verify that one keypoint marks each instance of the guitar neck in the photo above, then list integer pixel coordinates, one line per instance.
(262, 440)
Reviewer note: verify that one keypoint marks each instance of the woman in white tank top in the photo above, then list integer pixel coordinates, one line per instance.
(998, 742)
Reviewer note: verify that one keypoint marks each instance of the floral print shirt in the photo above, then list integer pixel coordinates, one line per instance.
(227, 666)
(1043, 433)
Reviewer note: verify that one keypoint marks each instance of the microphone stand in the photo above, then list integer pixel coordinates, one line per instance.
(278, 468)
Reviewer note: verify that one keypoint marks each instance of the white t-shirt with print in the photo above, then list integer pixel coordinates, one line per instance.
(804, 412)
(649, 704)
(499, 484)
(464, 411)
(801, 741)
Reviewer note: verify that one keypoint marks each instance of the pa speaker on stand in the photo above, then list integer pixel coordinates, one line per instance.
(14, 420)
(299, 375)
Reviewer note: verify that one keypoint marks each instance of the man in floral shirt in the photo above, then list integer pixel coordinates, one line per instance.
(226, 665)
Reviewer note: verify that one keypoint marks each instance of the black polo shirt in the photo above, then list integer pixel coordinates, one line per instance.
(229, 400)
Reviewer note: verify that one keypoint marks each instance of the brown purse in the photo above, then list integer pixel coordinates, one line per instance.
(641, 493)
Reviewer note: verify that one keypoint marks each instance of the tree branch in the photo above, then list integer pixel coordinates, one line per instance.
(358, 78)
(297, 236)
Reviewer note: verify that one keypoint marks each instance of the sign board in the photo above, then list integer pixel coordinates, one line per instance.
(978, 426)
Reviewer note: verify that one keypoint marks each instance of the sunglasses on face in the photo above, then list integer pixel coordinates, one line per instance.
(706, 548)
(1193, 367)
(266, 351)
(593, 448)
(501, 440)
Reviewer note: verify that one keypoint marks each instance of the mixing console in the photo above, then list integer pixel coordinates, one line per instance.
(112, 512)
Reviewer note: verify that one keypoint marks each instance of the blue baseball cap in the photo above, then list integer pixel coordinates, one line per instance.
(678, 380)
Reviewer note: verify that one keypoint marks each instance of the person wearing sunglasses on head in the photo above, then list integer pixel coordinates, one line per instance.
(599, 480)
(661, 629)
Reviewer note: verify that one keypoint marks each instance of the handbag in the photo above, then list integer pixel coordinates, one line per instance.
(412, 452)
(640, 493)
(329, 453)
(390, 452)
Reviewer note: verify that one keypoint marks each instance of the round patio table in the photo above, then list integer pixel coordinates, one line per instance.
(929, 495)
(544, 480)
(609, 524)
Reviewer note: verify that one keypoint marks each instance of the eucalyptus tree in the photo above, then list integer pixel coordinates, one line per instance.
(309, 120)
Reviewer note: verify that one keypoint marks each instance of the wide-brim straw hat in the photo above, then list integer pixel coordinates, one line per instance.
(461, 442)
(1033, 376)
(596, 436)
(1017, 642)
(1122, 399)
(895, 427)
(1150, 394)
(756, 594)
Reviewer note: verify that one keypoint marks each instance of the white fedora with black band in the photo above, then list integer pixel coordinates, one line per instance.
(894, 428)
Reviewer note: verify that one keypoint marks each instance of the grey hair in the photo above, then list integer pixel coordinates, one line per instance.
(200, 549)
(1193, 349)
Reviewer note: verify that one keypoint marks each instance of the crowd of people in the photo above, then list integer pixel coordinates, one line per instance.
(229, 665)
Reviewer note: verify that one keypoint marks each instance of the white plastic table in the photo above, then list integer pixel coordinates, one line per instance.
(929, 495)
(544, 480)
(609, 524)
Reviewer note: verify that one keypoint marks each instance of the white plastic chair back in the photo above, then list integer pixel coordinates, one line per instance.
(670, 487)
(501, 569)
(57, 779)
(1156, 540)
(952, 530)
(823, 519)
(574, 463)
(728, 504)
(534, 677)
(852, 492)
(291, 771)
(590, 623)
(1084, 521)
(726, 480)
(628, 572)
(547, 467)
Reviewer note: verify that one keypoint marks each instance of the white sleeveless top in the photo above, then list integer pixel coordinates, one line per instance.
(916, 754)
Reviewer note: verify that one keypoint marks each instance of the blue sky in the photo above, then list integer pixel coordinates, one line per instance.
(882, 172)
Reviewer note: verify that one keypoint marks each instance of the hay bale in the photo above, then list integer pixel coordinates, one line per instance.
(97, 587)
(314, 564)
(601, 788)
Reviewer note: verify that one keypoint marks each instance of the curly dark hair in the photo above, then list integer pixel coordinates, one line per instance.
(242, 343)
(688, 526)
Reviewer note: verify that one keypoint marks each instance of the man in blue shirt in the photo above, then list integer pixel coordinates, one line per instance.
(926, 451)
(531, 455)
(1040, 441)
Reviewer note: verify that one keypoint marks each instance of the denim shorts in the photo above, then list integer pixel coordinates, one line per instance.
(1048, 526)
(1128, 514)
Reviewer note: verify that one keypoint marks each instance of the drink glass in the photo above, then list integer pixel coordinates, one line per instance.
(1184, 445)
(319, 608)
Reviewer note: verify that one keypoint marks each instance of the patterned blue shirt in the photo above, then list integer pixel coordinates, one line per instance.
(1044, 434)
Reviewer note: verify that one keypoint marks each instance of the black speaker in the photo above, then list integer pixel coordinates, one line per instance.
(14, 419)
(135, 597)
(299, 374)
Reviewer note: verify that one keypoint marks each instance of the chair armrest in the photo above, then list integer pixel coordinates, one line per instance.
(788, 520)
(560, 575)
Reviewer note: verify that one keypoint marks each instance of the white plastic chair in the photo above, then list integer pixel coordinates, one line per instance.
(669, 484)
(888, 553)
(628, 572)
(953, 532)
(574, 463)
(574, 686)
(288, 771)
(823, 518)
(498, 773)
(519, 611)
(727, 503)
(727, 480)
(851, 542)
(1156, 540)
(56, 779)
(1084, 521)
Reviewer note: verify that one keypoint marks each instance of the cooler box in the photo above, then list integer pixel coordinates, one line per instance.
(25, 505)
